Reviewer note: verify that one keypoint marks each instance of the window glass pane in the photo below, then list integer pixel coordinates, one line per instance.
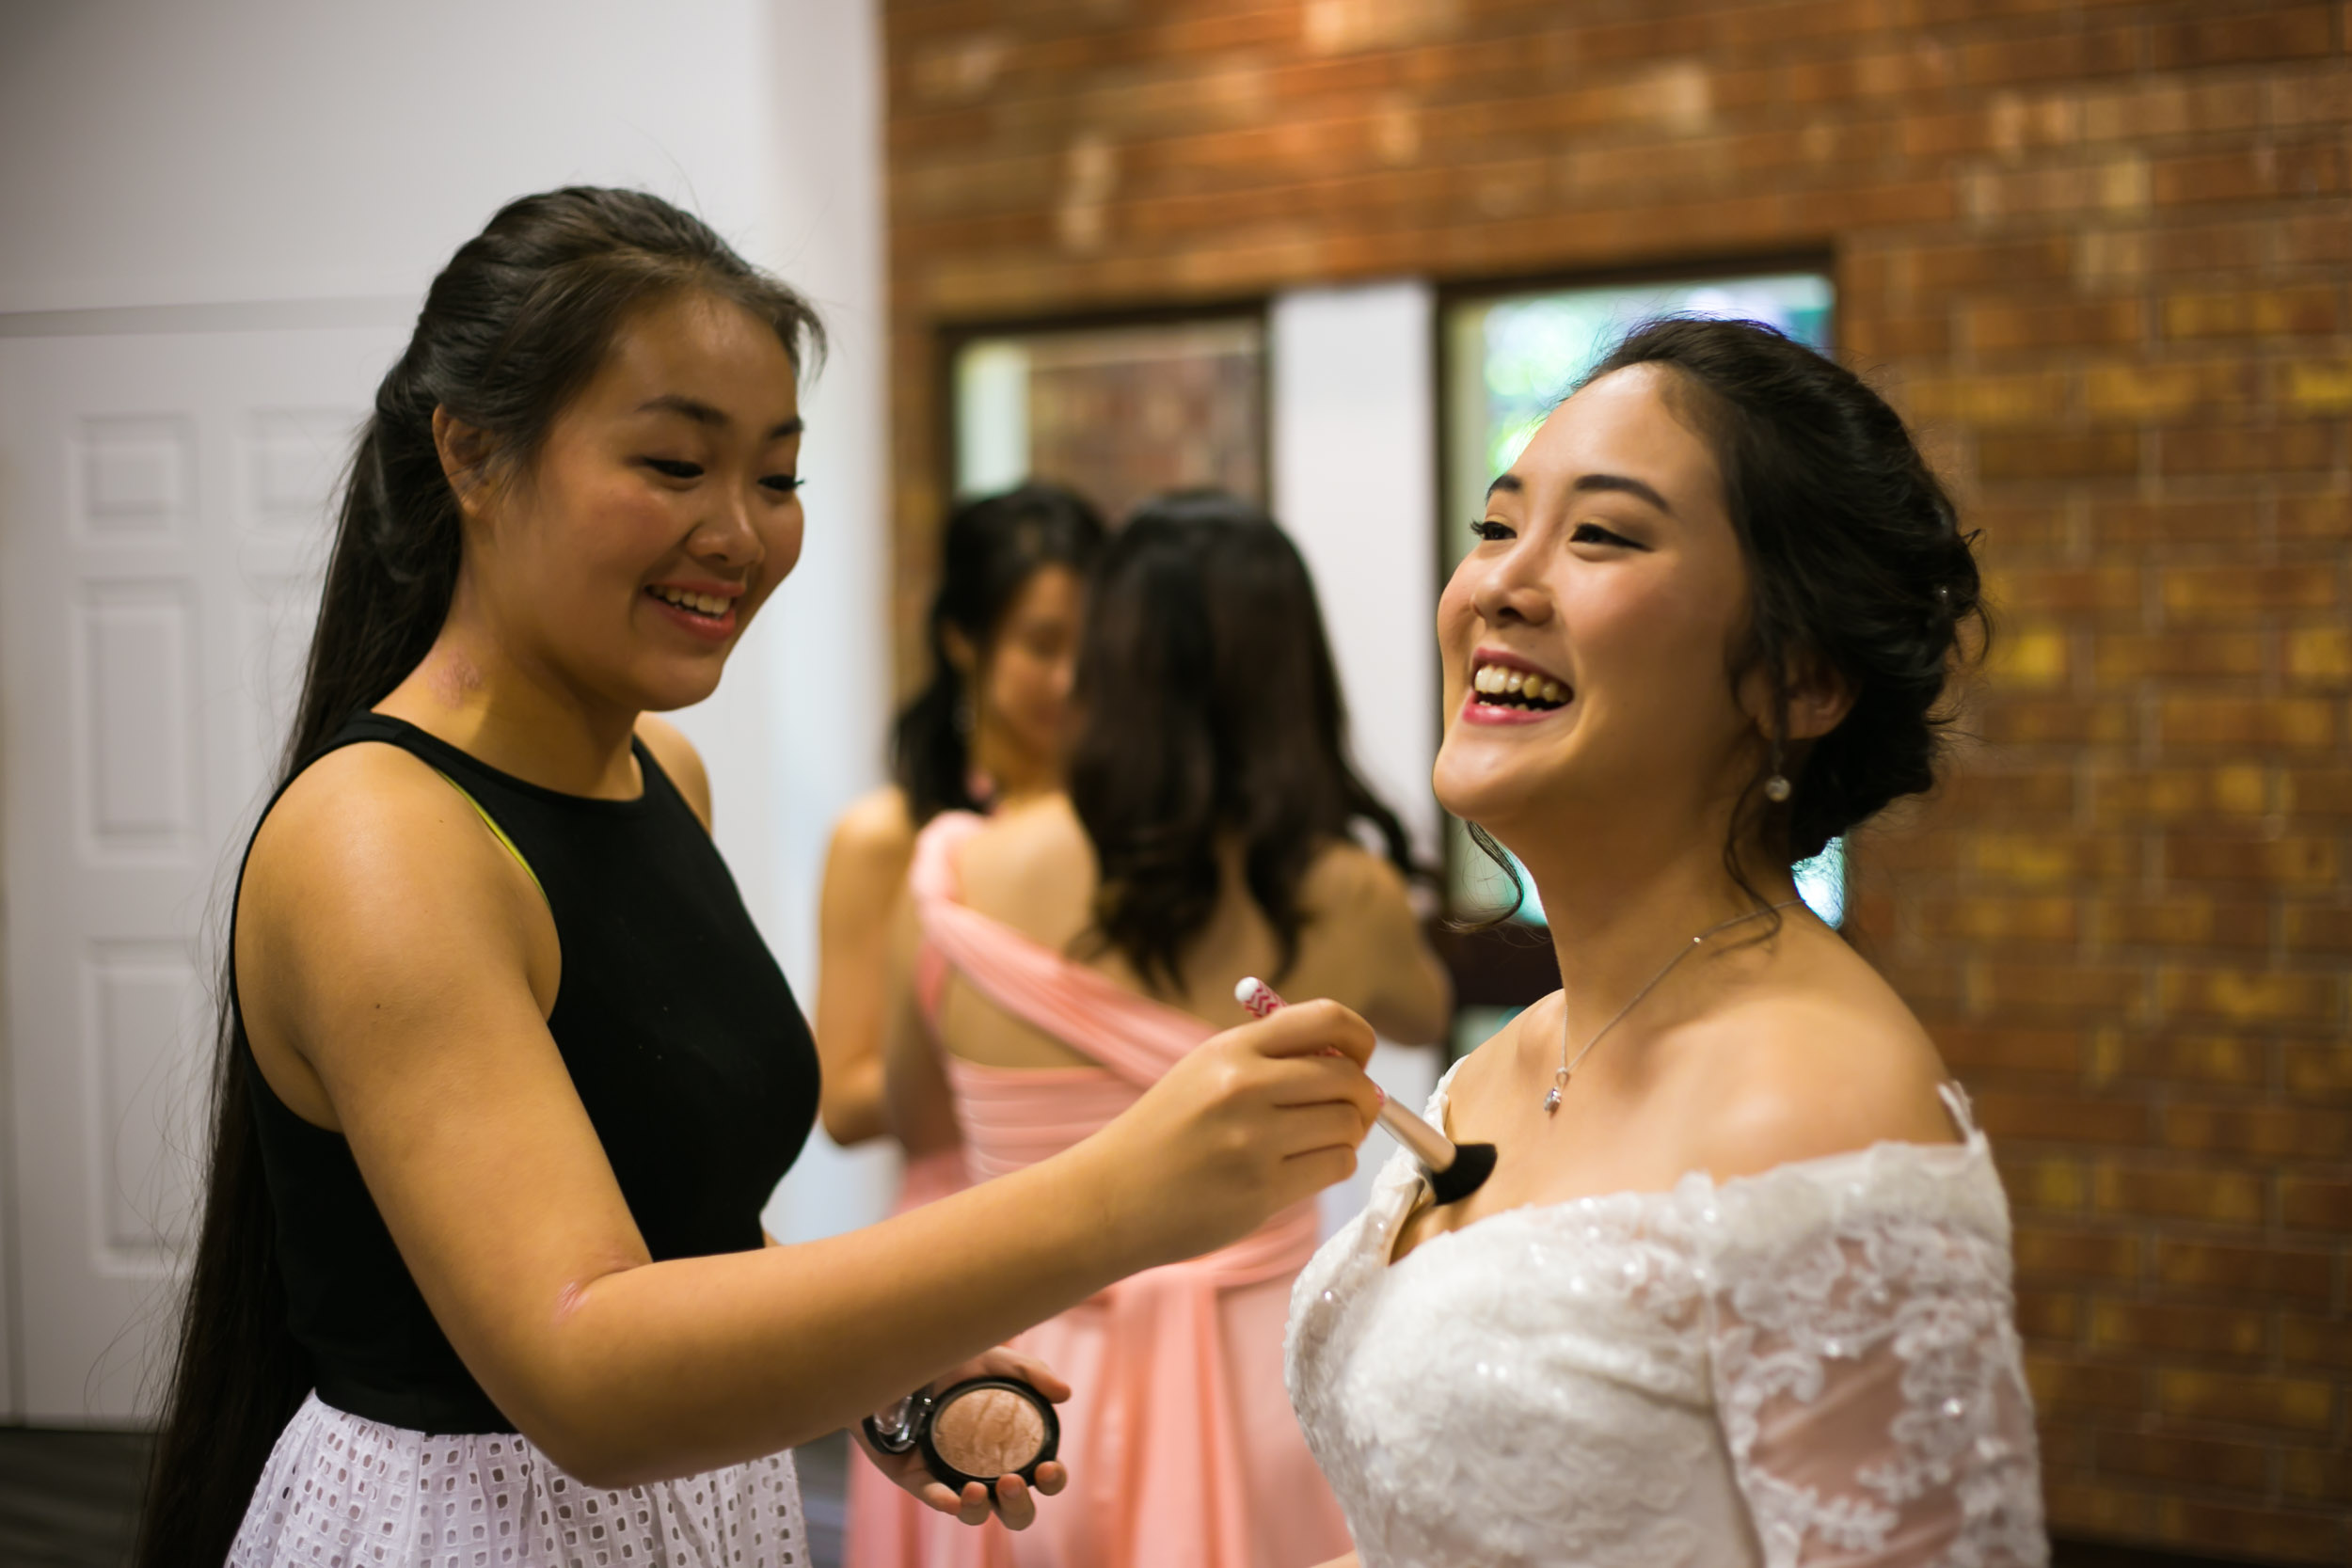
(1510, 358)
(1514, 357)
(1821, 882)
(1116, 413)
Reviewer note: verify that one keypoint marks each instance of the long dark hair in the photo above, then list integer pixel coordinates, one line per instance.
(1855, 555)
(992, 547)
(521, 319)
(1209, 711)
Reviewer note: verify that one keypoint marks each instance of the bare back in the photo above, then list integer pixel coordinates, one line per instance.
(1033, 869)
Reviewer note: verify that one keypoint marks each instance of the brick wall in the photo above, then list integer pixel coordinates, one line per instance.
(1126, 416)
(2098, 252)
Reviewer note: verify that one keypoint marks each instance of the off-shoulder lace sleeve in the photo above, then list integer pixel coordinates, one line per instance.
(1867, 1369)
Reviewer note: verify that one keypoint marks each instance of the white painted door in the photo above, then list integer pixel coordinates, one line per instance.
(162, 530)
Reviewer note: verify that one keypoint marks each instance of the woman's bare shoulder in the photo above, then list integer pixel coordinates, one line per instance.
(1344, 874)
(877, 822)
(872, 843)
(371, 860)
(355, 805)
(1041, 822)
(1035, 844)
(1815, 1072)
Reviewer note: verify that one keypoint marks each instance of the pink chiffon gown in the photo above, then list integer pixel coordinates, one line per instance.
(1181, 1446)
(886, 1528)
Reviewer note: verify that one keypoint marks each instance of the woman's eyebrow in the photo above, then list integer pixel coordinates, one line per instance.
(1511, 484)
(1623, 484)
(704, 414)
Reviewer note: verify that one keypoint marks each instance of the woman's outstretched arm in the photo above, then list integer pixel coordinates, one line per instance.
(864, 869)
(396, 988)
(918, 1104)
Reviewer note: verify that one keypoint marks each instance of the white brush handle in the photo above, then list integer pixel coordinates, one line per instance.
(1432, 1148)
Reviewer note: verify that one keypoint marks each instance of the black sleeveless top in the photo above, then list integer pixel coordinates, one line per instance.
(681, 1036)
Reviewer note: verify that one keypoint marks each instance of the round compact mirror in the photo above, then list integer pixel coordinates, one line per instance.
(987, 1428)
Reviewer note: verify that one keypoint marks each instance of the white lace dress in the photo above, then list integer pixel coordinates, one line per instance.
(1817, 1364)
(339, 1492)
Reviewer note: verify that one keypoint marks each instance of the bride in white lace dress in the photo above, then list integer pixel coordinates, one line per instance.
(1738, 1290)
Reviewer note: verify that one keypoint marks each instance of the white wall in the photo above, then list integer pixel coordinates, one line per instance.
(1355, 476)
(829, 660)
(155, 152)
(243, 165)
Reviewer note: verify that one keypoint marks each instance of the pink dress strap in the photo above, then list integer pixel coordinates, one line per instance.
(1135, 1037)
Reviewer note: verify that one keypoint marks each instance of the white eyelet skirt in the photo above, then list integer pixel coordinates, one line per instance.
(339, 1492)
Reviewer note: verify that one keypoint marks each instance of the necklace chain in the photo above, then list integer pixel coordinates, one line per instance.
(1569, 1064)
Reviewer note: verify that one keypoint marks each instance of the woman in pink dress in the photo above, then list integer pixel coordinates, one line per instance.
(1063, 954)
(989, 727)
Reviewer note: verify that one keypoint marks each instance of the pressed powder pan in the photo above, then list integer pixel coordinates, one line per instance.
(987, 1428)
(981, 1430)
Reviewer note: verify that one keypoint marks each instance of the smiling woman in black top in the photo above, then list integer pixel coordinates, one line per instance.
(506, 1072)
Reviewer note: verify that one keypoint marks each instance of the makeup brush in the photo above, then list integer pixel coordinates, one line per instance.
(1454, 1171)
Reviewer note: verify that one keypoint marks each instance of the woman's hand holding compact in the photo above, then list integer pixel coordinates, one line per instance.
(1012, 1499)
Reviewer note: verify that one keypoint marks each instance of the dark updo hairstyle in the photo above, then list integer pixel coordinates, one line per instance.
(991, 550)
(1208, 711)
(1855, 556)
(513, 328)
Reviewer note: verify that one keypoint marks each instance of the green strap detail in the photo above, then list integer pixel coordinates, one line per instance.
(496, 831)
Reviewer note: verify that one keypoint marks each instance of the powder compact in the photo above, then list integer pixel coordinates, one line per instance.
(976, 1430)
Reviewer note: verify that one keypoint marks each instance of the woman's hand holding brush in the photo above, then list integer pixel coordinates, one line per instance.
(1455, 1171)
(1249, 1122)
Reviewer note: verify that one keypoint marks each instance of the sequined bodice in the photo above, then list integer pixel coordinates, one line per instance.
(1817, 1362)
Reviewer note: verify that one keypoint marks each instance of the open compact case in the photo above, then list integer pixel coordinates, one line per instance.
(976, 1430)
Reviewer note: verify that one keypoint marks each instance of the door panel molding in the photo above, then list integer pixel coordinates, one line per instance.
(164, 525)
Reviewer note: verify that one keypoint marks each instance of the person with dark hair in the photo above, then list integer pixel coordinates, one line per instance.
(1738, 1290)
(505, 1072)
(1056, 959)
(988, 727)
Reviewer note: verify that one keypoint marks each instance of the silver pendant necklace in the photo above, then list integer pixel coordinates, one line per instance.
(1568, 1065)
